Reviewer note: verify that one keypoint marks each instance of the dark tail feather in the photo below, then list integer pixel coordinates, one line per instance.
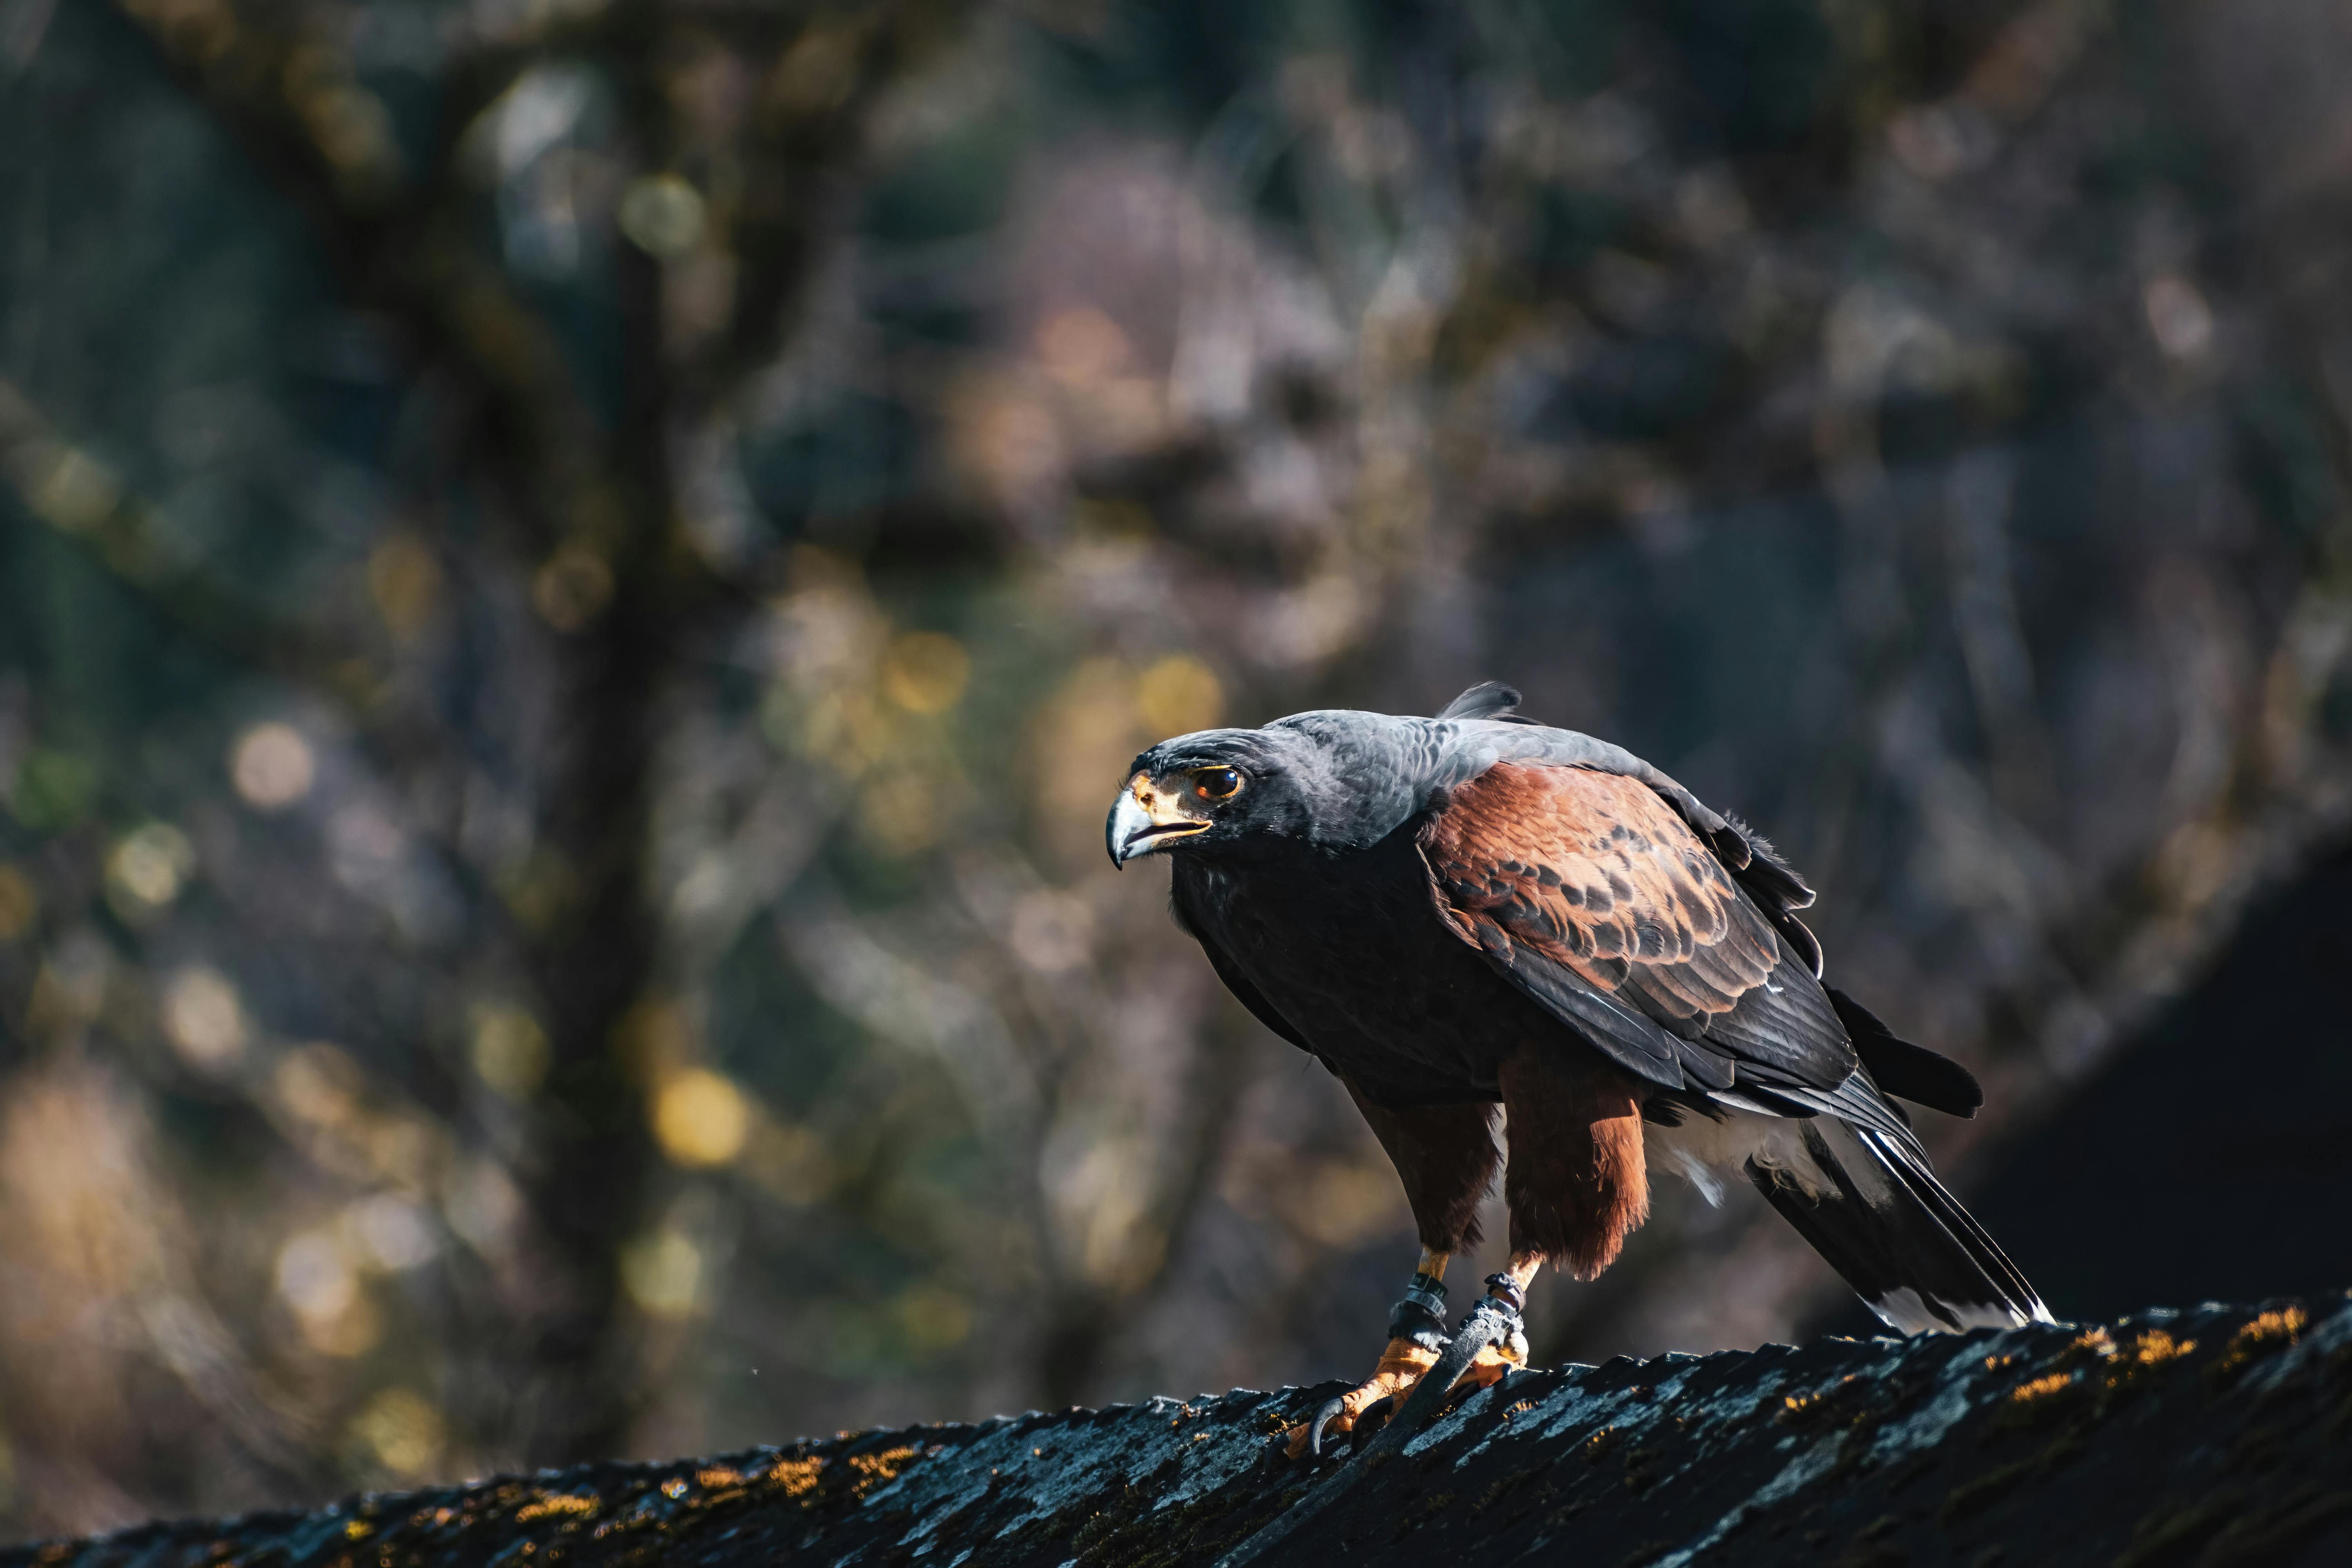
(1876, 1212)
(1900, 1067)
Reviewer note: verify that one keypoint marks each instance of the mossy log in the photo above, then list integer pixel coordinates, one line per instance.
(2222, 1434)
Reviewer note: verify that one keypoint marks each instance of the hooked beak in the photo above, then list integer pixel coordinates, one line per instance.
(1144, 820)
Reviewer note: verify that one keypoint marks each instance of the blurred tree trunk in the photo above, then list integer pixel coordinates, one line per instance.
(589, 504)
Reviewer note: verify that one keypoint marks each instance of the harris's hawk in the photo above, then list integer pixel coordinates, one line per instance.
(1475, 909)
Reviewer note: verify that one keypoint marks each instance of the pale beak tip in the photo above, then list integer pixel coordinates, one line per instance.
(1125, 823)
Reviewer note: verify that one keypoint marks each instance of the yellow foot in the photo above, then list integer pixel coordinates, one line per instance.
(1488, 1367)
(1403, 1366)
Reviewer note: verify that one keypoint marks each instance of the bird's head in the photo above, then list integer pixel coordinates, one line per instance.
(1332, 780)
(1214, 789)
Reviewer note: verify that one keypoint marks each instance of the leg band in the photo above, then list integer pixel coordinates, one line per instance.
(1409, 1320)
(1419, 1317)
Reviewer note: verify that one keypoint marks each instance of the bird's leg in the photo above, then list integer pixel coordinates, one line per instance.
(1416, 1336)
(1506, 1297)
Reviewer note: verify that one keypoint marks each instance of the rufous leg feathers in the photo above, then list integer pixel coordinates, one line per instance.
(1576, 1184)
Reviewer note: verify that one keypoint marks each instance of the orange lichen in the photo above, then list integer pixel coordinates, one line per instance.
(719, 1477)
(2039, 1388)
(674, 1488)
(2264, 1332)
(2156, 1347)
(876, 1469)
(2269, 1327)
(2149, 1350)
(555, 1504)
(1797, 1407)
(795, 1478)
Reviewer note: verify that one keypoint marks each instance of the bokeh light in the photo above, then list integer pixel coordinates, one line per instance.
(272, 766)
(404, 581)
(573, 588)
(661, 214)
(510, 1048)
(664, 1274)
(1178, 695)
(401, 1430)
(390, 1233)
(925, 672)
(700, 1117)
(147, 868)
(205, 1018)
(20, 904)
(317, 1279)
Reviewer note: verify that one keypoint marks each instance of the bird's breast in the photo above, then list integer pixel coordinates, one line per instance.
(1350, 950)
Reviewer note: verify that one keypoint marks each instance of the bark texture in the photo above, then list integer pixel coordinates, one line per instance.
(2210, 1436)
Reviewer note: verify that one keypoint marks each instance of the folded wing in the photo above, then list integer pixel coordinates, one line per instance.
(1593, 895)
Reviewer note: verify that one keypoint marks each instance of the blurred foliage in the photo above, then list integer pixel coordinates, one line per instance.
(575, 579)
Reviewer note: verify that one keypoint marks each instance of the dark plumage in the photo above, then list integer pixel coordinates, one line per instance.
(1454, 911)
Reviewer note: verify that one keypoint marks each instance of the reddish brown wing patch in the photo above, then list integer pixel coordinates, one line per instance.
(1595, 872)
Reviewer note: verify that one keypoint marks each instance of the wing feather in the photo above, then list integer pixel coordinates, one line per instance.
(1596, 897)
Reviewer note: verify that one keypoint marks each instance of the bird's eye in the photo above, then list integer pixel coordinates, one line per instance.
(1216, 784)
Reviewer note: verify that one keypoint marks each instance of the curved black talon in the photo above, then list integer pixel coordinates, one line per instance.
(1325, 1414)
(1491, 1321)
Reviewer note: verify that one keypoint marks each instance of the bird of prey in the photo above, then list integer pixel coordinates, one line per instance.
(1454, 912)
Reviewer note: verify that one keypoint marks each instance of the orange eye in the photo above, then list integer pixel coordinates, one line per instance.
(1216, 784)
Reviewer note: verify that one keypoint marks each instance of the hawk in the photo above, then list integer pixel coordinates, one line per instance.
(1475, 910)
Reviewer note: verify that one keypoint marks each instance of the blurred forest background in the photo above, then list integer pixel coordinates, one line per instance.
(576, 577)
